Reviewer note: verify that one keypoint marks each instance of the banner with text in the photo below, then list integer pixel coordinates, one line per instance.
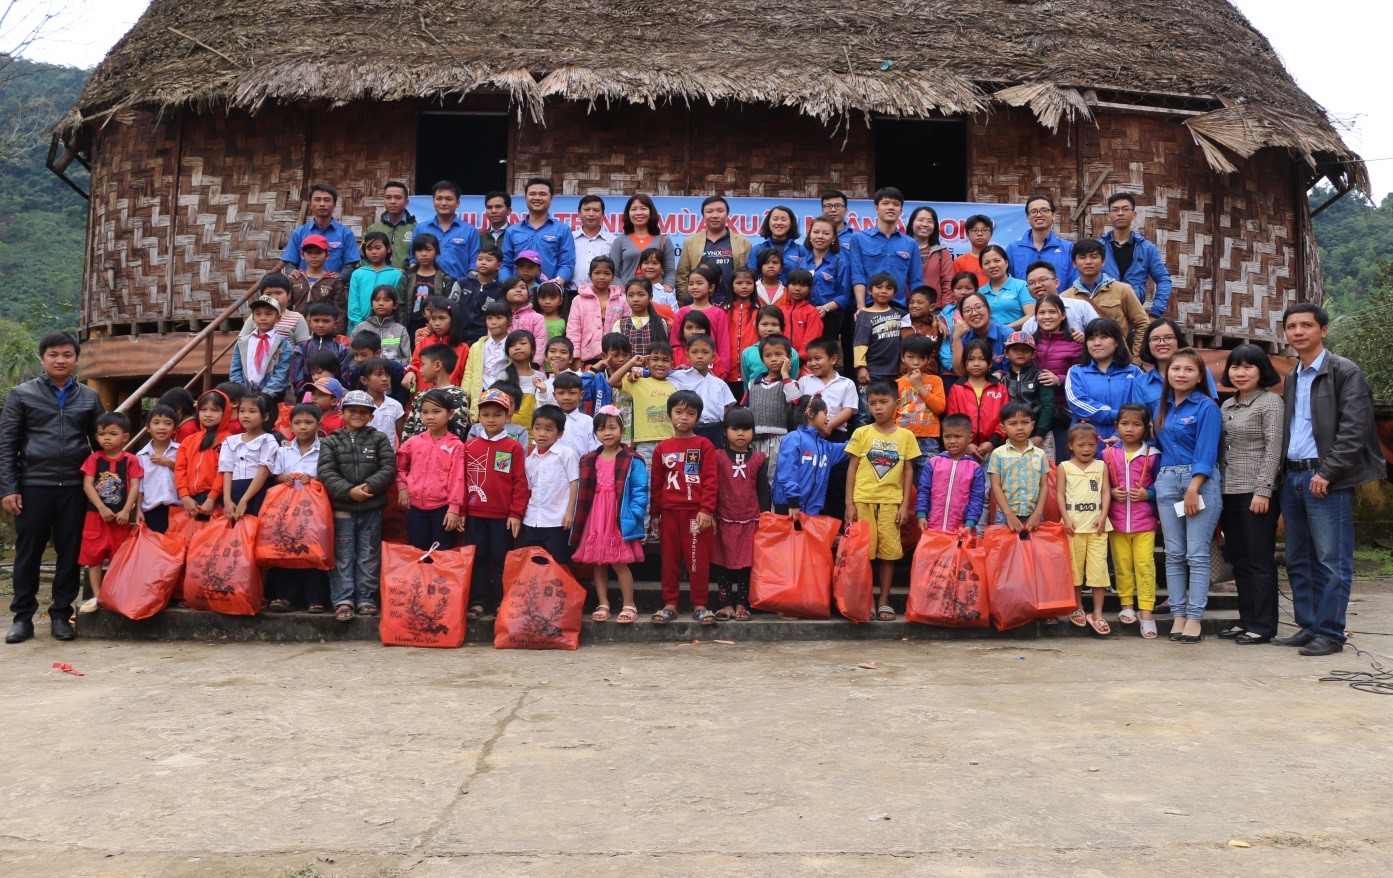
(681, 215)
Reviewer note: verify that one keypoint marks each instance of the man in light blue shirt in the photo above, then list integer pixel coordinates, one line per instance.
(459, 243)
(542, 232)
(1042, 243)
(343, 245)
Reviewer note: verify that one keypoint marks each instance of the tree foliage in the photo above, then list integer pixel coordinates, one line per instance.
(1365, 334)
(1353, 237)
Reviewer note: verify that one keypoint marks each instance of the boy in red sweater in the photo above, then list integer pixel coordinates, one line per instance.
(495, 474)
(802, 320)
(683, 498)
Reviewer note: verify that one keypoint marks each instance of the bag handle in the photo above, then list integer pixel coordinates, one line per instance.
(426, 558)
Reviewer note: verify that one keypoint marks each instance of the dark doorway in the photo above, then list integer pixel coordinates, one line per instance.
(468, 148)
(926, 159)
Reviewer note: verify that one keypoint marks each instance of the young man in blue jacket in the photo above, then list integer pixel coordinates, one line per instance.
(1131, 258)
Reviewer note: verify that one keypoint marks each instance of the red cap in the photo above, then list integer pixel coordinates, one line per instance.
(316, 241)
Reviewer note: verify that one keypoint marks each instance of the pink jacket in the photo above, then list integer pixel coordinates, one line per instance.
(530, 320)
(432, 472)
(589, 320)
(1133, 516)
(951, 492)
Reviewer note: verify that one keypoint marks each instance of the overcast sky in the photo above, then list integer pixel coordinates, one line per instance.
(1334, 48)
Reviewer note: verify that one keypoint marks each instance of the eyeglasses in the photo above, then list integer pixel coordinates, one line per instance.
(1122, 210)
(1164, 339)
(1039, 281)
(1039, 211)
(975, 309)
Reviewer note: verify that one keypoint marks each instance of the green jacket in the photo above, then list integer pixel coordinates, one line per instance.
(347, 460)
(400, 235)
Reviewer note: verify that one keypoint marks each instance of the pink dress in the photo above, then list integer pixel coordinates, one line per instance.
(602, 543)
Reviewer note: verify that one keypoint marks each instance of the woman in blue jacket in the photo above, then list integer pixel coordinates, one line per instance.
(780, 231)
(831, 276)
(1097, 388)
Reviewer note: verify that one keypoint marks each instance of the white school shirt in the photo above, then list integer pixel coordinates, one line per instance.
(549, 476)
(839, 393)
(384, 420)
(580, 433)
(243, 459)
(715, 394)
(290, 460)
(157, 485)
(495, 360)
(548, 396)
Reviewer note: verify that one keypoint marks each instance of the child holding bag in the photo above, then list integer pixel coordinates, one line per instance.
(430, 476)
(298, 461)
(610, 506)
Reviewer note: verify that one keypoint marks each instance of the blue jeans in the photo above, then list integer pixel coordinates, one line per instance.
(357, 559)
(1187, 539)
(1320, 555)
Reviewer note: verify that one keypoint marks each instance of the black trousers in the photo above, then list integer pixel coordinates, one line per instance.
(425, 527)
(492, 542)
(555, 540)
(1251, 544)
(48, 514)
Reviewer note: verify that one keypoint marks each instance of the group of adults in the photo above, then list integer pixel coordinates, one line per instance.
(1325, 445)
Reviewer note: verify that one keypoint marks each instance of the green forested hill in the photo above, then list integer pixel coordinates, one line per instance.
(42, 221)
(1354, 237)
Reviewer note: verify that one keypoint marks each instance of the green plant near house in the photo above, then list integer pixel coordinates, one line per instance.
(1365, 335)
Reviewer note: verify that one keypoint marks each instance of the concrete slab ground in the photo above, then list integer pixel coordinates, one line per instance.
(1053, 757)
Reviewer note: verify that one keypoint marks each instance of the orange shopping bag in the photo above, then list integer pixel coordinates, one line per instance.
(297, 528)
(143, 575)
(1029, 575)
(542, 603)
(853, 583)
(220, 573)
(792, 569)
(425, 596)
(948, 582)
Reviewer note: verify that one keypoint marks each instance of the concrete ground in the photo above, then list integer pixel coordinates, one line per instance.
(1056, 757)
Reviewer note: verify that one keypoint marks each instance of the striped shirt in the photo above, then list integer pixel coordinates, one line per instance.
(1250, 457)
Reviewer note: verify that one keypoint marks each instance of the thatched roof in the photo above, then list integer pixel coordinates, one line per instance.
(1061, 58)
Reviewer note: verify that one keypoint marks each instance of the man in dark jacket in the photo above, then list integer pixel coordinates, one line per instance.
(1331, 449)
(46, 434)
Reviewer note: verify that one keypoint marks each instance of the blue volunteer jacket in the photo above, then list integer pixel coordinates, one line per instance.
(872, 252)
(1095, 396)
(1057, 252)
(803, 469)
(1146, 263)
(553, 242)
(831, 280)
(793, 253)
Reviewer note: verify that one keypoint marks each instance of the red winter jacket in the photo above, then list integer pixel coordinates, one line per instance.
(495, 477)
(986, 416)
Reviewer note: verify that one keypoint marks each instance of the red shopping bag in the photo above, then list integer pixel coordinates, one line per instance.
(425, 596)
(1029, 574)
(297, 528)
(183, 525)
(948, 582)
(792, 568)
(542, 603)
(143, 574)
(853, 583)
(220, 573)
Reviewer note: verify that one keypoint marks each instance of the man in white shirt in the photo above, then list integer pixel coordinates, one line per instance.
(592, 238)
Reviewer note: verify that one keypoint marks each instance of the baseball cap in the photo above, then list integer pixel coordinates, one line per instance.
(1019, 337)
(331, 386)
(316, 241)
(266, 300)
(358, 398)
(531, 256)
(497, 397)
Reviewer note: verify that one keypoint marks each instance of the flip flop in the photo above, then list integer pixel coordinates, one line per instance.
(1128, 616)
(885, 613)
(741, 615)
(1099, 625)
(344, 612)
(1148, 629)
(1079, 619)
(664, 616)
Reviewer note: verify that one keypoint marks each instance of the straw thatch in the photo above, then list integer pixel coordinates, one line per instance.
(914, 58)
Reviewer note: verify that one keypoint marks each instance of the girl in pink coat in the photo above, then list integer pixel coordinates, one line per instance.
(590, 317)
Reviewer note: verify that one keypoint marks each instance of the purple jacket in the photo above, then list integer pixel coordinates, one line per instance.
(1056, 352)
(951, 492)
(1133, 516)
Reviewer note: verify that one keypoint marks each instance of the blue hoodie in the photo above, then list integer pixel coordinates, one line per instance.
(1146, 263)
(1095, 396)
(803, 469)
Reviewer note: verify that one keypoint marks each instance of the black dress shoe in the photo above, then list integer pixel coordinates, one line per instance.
(1232, 633)
(1248, 638)
(1321, 646)
(1300, 638)
(20, 631)
(62, 629)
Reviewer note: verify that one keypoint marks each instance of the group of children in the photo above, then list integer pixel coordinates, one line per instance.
(498, 414)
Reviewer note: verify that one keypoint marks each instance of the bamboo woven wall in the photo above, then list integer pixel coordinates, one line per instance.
(676, 150)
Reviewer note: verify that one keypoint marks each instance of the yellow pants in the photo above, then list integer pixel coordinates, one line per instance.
(1089, 552)
(885, 534)
(1134, 563)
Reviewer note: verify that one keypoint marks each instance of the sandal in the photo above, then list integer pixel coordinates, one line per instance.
(278, 606)
(741, 614)
(627, 615)
(704, 616)
(367, 610)
(664, 616)
(885, 613)
(601, 614)
(1128, 616)
(344, 612)
(475, 613)
(725, 614)
(315, 608)
(1148, 629)
(1079, 618)
(1099, 625)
